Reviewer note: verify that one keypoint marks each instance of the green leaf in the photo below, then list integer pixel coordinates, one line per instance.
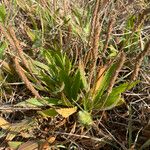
(48, 81)
(59, 60)
(33, 102)
(65, 101)
(14, 144)
(119, 89)
(2, 49)
(78, 16)
(82, 76)
(67, 81)
(132, 84)
(114, 99)
(104, 84)
(87, 102)
(111, 102)
(130, 22)
(2, 13)
(47, 56)
(76, 86)
(59, 89)
(68, 65)
(113, 51)
(52, 101)
(51, 112)
(31, 34)
(145, 145)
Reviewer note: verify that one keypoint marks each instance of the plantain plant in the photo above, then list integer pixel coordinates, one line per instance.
(67, 87)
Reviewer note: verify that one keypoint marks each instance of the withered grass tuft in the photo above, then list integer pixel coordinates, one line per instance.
(74, 74)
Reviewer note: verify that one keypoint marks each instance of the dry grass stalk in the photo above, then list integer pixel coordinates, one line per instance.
(114, 77)
(5, 32)
(92, 54)
(139, 59)
(54, 5)
(20, 52)
(94, 24)
(66, 6)
(15, 44)
(69, 32)
(13, 108)
(94, 38)
(44, 3)
(94, 19)
(141, 19)
(115, 74)
(18, 47)
(94, 51)
(25, 79)
(110, 28)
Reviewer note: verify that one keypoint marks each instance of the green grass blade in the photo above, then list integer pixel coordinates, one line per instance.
(76, 86)
(104, 84)
(145, 145)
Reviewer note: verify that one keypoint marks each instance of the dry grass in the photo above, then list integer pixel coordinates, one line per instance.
(97, 34)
